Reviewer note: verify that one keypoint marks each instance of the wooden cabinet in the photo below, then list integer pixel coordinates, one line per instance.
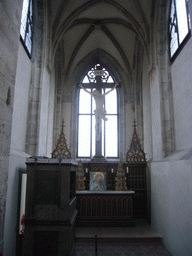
(50, 207)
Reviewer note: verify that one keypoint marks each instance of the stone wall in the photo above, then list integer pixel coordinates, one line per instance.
(10, 13)
(31, 114)
(17, 148)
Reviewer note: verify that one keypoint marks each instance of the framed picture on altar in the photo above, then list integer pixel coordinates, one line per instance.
(97, 181)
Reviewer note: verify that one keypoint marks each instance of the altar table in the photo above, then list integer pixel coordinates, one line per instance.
(104, 208)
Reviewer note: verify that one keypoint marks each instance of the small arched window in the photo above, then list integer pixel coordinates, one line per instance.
(179, 26)
(97, 78)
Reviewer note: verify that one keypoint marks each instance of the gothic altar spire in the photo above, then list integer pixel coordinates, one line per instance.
(135, 153)
(61, 149)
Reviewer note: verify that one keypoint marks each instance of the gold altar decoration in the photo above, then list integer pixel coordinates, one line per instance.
(61, 149)
(120, 179)
(135, 153)
(80, 178)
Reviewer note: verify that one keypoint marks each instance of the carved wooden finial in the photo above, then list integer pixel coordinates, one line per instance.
(120, 179)
(80, 177)
(61, 149)
(135, 153)
(62, 125)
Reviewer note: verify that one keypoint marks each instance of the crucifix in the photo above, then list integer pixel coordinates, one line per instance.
(100, 111)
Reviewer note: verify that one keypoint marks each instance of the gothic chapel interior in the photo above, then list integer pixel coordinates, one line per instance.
(138, 51)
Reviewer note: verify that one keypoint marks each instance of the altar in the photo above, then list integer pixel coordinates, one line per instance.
(113, 193)
(123, 199)
(105, 208)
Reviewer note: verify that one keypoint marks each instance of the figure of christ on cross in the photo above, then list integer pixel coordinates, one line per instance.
(99, 111)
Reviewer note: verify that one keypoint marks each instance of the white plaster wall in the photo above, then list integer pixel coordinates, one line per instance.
(17, 156)
(44, 114)
(67, 119)
(129, 118)
(171, 204)
(21, 97)
(50, 118)
(156, 116)
(147, 113)
(181, 71)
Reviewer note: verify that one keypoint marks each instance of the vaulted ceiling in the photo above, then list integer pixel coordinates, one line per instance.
(100, 28)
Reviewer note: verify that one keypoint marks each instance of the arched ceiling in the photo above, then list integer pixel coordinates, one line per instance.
(113, 27)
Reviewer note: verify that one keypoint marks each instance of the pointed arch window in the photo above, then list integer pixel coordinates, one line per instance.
(86, 146)
(26, 28)
(179, 26)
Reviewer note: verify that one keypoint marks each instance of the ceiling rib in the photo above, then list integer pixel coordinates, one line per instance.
(57, 33)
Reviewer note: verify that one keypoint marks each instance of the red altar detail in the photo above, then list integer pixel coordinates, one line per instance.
(23, 224)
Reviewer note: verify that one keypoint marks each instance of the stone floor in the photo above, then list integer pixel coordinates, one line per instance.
(121, 250)
(141, 230)
(141, 240)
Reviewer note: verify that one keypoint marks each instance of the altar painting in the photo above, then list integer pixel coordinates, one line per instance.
(98, 181)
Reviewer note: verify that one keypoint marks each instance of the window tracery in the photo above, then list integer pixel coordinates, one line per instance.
(179, 26)
(26, 28)
(97, 78)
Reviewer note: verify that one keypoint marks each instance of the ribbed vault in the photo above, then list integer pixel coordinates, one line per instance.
(89, 28)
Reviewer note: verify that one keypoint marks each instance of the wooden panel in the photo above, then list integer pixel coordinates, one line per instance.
(140, 205)
(136, 177)
(104, 208)
(136, 181)
(46, 189)
(46, 243)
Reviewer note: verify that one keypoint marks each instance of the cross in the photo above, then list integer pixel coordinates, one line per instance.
(99, 85)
